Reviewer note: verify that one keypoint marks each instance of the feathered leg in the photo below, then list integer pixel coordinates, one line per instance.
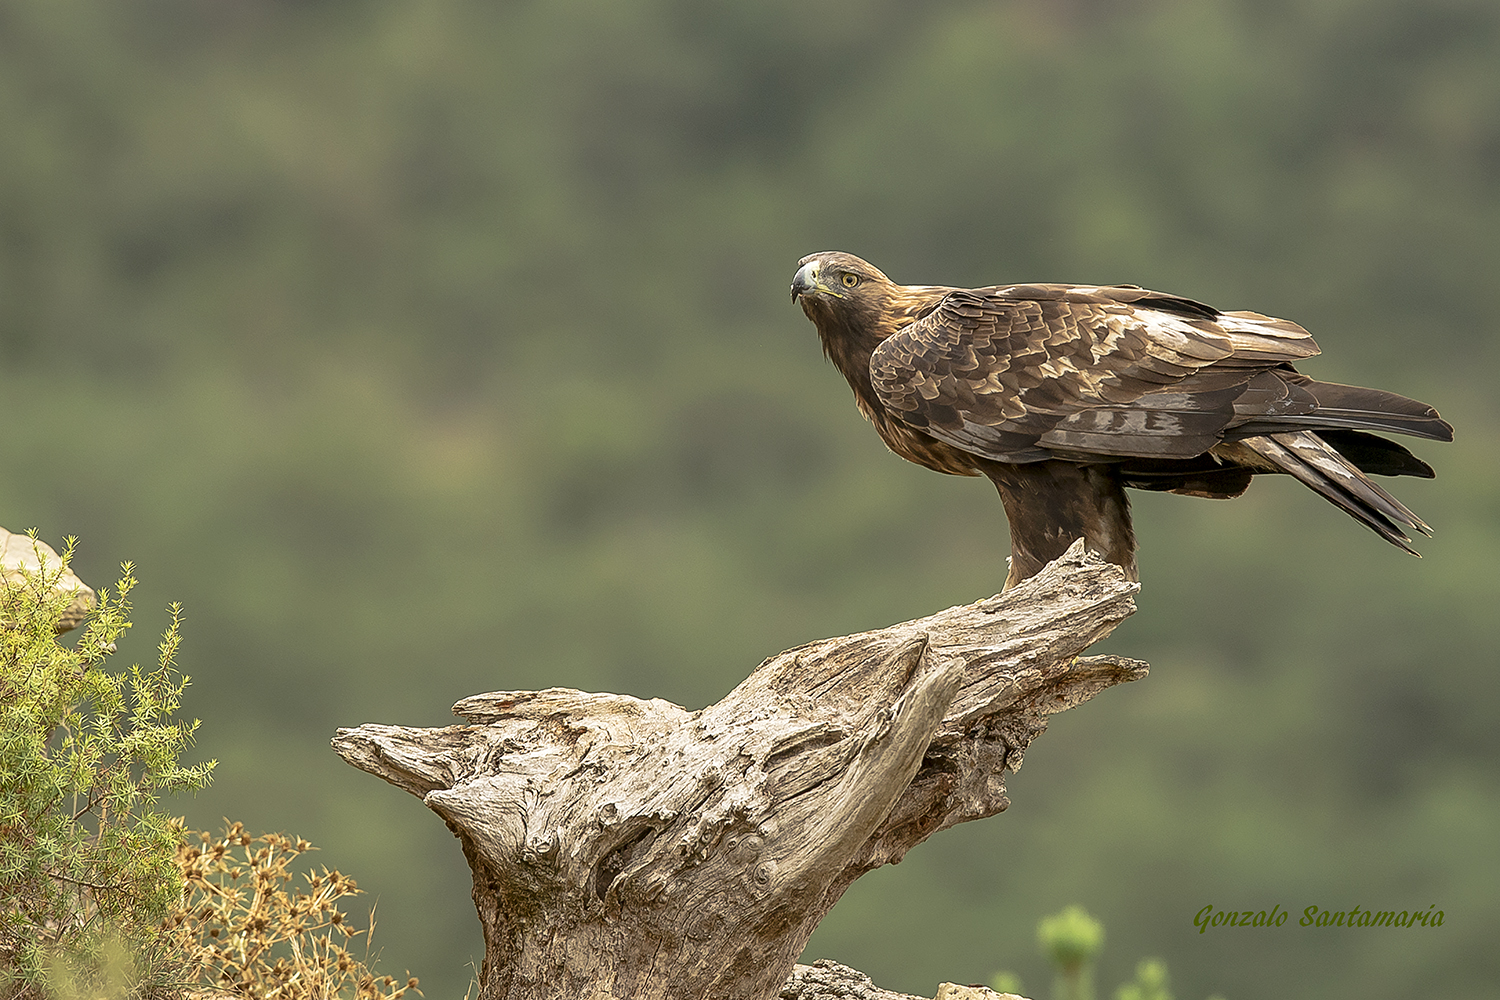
(1050, 505)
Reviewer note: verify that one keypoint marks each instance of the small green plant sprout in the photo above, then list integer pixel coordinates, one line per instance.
(86, 858)
(1071, 940)
(1006, 981)
(1150, 982)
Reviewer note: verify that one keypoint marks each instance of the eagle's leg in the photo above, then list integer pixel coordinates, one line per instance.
(1052, 504)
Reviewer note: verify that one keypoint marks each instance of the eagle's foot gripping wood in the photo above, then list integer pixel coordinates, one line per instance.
(624, 848)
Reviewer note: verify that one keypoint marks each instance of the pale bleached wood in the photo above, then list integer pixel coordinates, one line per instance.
(632, 849)
(825, 980)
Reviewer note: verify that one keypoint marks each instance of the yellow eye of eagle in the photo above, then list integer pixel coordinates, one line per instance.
(850, 280)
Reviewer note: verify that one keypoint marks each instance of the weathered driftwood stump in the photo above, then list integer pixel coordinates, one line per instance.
(633, 849)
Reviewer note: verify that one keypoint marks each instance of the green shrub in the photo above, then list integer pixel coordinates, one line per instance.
(102, 895)
(86, 860)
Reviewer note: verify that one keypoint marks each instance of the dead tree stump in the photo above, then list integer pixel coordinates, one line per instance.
(633, 850)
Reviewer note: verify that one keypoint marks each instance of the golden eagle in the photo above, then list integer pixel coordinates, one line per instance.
(1063, 395)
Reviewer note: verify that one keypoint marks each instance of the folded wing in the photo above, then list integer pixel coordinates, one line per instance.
(1175, 394)
(1033, 372)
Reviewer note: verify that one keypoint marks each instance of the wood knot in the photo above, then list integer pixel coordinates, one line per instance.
(747, 848)
(541, 847)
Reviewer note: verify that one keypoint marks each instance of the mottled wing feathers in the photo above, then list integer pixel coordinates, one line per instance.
(1030, 372)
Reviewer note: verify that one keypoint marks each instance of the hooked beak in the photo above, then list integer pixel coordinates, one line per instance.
(808, 279)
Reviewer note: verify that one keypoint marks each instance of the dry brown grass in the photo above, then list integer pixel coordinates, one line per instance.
(245, 929)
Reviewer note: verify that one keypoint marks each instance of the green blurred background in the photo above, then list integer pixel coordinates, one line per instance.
(430, 347)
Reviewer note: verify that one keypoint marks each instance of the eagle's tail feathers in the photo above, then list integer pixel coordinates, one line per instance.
(1378, 409)
(1351, 407)
(1375, 455)
(1305, 456)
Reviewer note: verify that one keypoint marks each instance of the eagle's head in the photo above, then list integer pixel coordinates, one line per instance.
(855, 306)
(834, 284)
(849, 300)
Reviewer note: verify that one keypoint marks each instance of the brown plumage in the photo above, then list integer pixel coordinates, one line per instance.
(1063, 395)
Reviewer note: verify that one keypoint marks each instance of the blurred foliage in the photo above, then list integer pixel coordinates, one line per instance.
(1150, 982)
(436, 347)
(1071, 941)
